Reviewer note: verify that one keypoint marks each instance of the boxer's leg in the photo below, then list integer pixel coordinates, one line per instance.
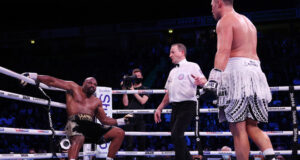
(116, 135)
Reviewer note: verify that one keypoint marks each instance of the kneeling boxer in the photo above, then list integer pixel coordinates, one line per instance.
(82, 108)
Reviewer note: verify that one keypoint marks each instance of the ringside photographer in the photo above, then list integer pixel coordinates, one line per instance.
(135, 101)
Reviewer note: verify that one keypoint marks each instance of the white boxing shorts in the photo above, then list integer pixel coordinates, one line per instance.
(244, 91)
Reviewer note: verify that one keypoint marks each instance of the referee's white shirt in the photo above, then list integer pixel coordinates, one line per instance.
(180, 83)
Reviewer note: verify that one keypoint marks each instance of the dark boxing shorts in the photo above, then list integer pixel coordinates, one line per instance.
(82, 124)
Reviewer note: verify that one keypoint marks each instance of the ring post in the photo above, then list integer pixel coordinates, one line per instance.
(197, 118)
(295, 125)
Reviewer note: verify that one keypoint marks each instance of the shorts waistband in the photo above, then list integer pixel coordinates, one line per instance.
(244, 61)
(82, 117)
(241, 63)
(182, 102)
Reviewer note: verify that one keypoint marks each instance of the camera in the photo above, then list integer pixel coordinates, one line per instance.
(128, 81)
(65, 144)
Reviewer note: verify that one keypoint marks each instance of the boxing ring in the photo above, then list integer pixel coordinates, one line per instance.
(25, 98)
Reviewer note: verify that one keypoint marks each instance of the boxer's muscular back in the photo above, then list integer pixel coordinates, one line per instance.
(244, 41)
(77, 102)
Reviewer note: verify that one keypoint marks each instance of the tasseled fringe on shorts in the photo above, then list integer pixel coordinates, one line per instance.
(246, 83)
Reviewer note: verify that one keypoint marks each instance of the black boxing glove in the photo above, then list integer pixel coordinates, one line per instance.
(127, 119)
(211, 87)
(29, 75)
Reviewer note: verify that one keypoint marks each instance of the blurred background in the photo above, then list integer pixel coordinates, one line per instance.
(107, 39)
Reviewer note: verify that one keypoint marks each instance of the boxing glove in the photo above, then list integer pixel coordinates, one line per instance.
(210, 88)
(127, 119)
(29, 75)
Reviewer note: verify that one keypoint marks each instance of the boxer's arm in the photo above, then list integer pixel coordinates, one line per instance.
(55, 82)
(225, 37)
(101, 116)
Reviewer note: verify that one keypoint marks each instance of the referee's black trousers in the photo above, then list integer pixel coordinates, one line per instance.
(182, 115)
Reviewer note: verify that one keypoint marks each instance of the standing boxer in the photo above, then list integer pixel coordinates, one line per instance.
(238, 80)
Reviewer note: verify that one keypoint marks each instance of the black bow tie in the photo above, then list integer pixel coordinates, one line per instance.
(176, 65)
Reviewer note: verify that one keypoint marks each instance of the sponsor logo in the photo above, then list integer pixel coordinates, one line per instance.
(276, 108)
(149, 152)
(24, 155)
(38, 99)
(134, 153)
(89, 153)
(274, 88)
(214, 132)
(145, 91)
(26, 97)
(12, 95)
(22, 130)
(85, 117)
(39, 154)
(225, 152)
(206, 152)
(42, 131)
(120, 92)
(181, 76)
(213, 109)
(104, 146)
(251, 63)
(166, 152)
(7, 155)
(105, 98)
(274, 131)
(122, 111)
(105, 90)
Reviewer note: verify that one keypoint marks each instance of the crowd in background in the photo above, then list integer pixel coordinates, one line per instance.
(279, 55)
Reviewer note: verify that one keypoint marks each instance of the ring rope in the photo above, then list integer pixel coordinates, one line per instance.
(8, 130)
(30, 99)
(41, 101)
(132, 153)
(155, 91)
(26, 79)
(43, 155)
(141, 91)
(206, 153)
(201, 110)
